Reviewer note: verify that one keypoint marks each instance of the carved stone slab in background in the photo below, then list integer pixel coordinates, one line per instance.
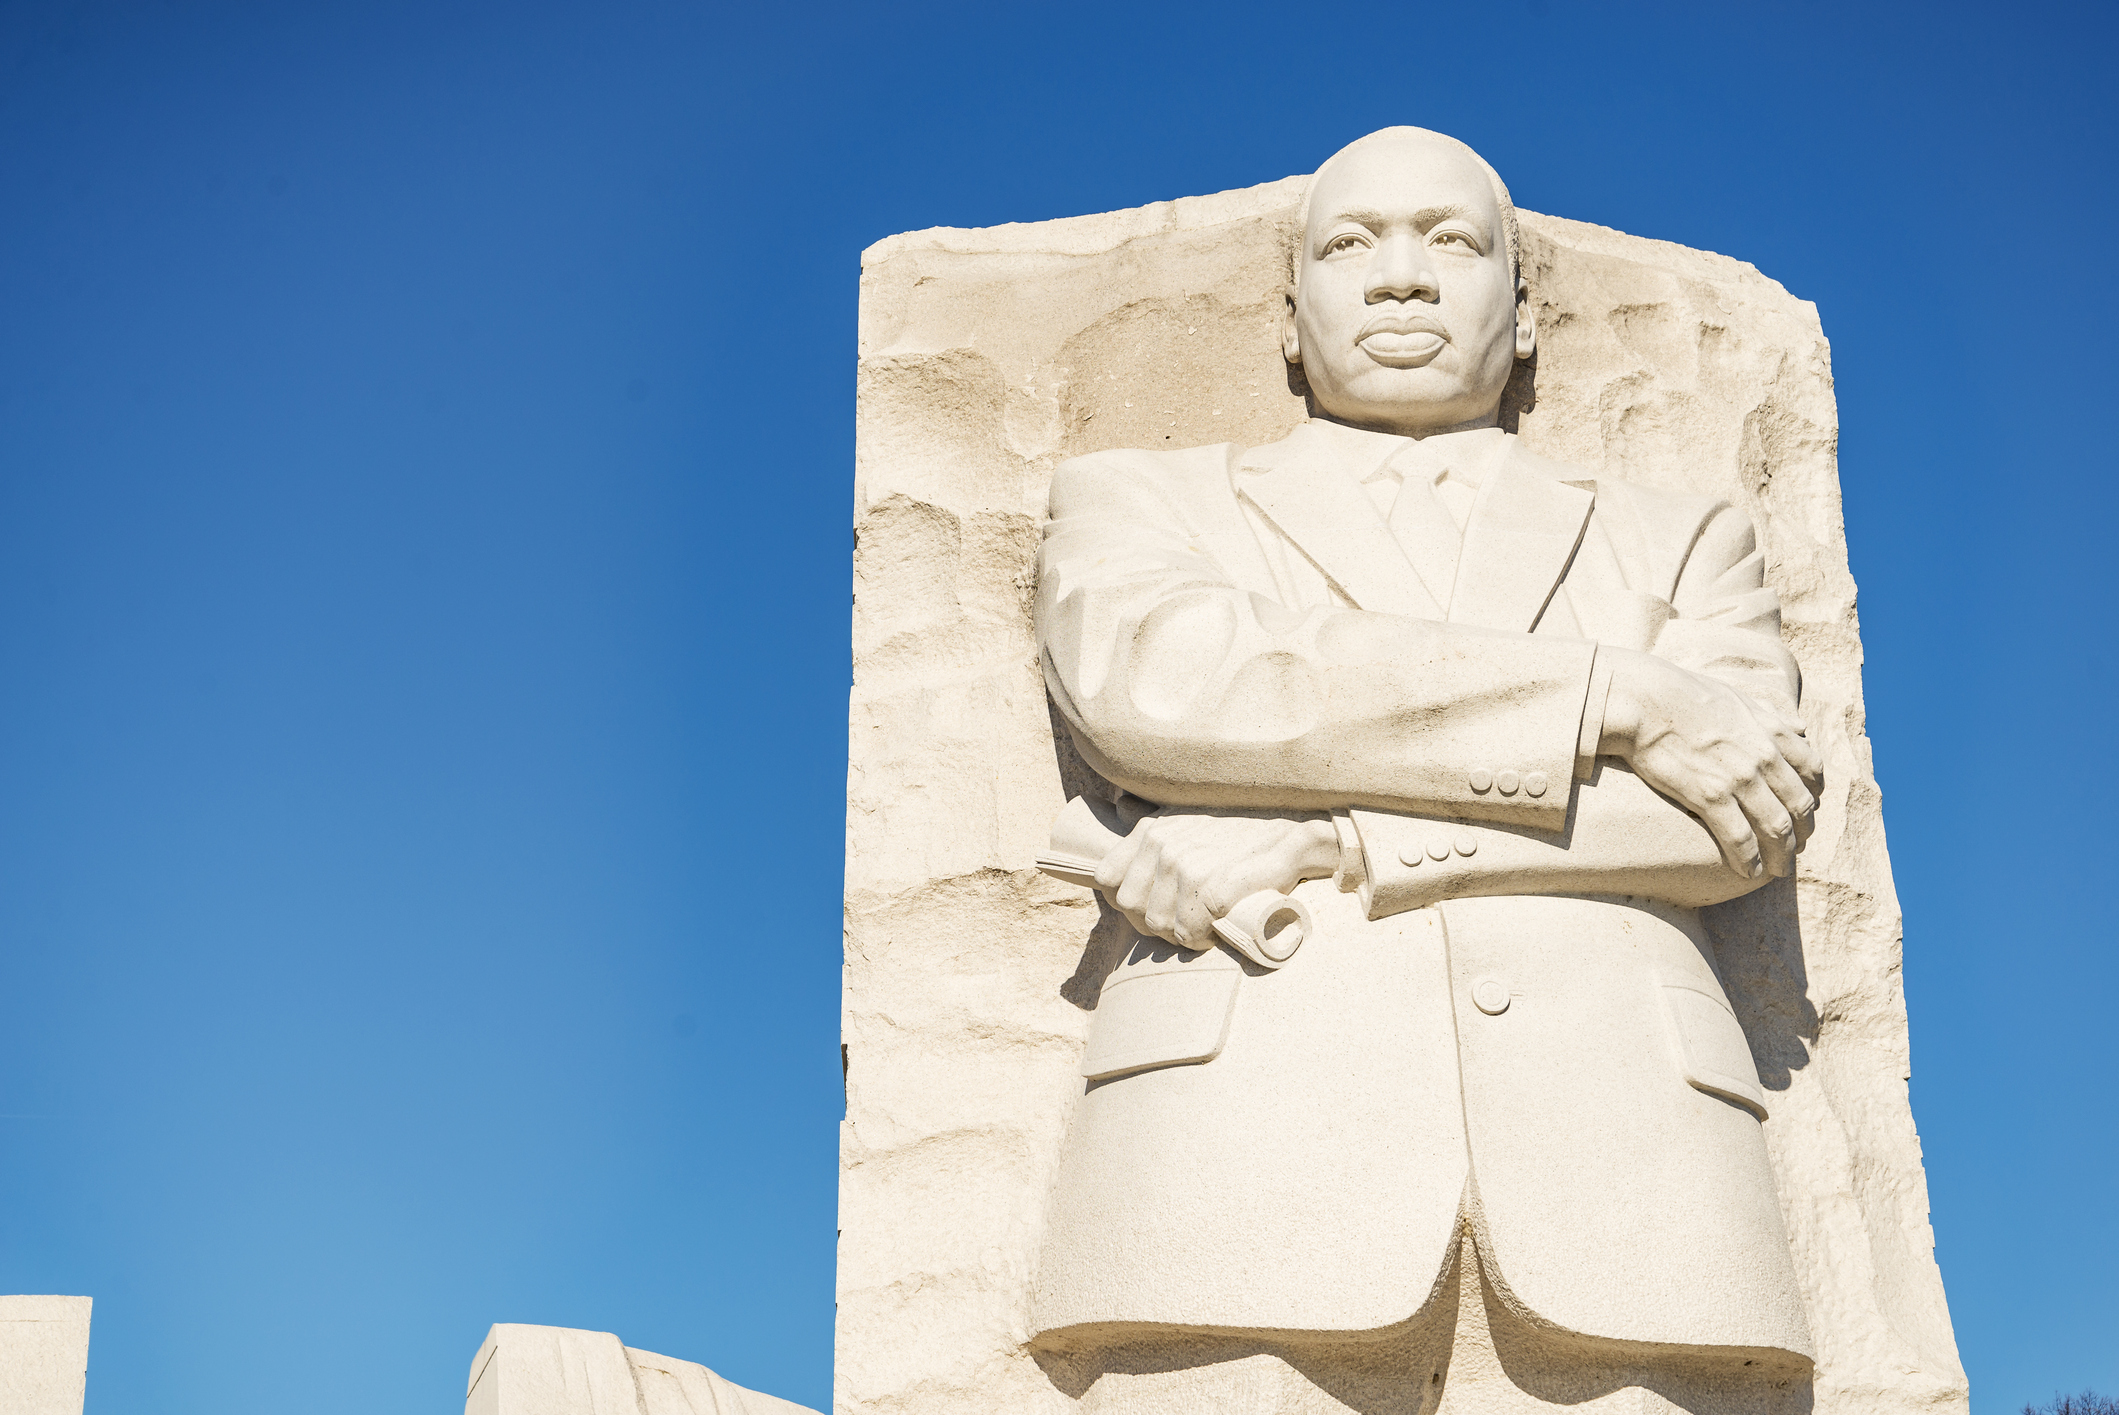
(987, 357)
(43, 1354)
(530, 1370)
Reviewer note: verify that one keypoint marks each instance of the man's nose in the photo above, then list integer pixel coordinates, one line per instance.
(1400, 270)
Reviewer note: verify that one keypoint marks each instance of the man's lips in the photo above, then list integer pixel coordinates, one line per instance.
(1403, 340)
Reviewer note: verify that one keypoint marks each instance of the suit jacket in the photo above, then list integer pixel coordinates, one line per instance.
(1517, 1024)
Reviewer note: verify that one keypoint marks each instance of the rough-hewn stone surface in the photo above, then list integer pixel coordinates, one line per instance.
(989, 356)
(532, 1370)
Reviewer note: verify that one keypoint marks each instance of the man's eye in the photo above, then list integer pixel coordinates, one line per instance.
(1455, 238)
(1344, 243)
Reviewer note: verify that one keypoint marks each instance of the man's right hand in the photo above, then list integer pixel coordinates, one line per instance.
(1742, 768)
(1180, 870)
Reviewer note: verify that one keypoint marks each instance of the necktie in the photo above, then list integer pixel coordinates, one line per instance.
(1425, 529)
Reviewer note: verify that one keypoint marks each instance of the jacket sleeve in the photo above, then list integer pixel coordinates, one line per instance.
(1188, 690)
(1621, 837)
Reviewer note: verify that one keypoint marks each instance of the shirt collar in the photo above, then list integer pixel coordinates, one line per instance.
(1466, 456)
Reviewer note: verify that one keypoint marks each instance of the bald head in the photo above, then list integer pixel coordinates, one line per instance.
(1406, 311)
(1387, 138)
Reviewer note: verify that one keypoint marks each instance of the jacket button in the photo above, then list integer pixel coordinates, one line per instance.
(1482, 780)
(1534, 784)
(1508, 782)
(1467, 844)
(1411, 855)
(1438, 849)
(1490, 995)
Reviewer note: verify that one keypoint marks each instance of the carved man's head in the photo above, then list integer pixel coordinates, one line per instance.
(1407, 312)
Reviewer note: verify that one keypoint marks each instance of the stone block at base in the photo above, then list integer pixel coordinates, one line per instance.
(526, 1370)
(43, 1355)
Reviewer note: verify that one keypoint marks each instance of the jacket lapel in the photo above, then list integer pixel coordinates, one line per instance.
(1303, 487)
(1522, 532)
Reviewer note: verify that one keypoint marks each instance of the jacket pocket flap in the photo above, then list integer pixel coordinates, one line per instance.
(1165, 1017)
(1711, 1048)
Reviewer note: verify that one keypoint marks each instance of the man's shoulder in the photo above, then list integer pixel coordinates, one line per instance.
(1132, 473)
(1653, 506)
(1522, 457)
(1152, 461)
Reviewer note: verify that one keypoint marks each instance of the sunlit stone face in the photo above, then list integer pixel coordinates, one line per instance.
(1406, 316)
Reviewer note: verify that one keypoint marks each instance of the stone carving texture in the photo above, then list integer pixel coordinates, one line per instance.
(532, 1370)
(987, 358)
(43, 1354)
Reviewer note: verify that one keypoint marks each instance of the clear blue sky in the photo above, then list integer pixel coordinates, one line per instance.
(425, 461)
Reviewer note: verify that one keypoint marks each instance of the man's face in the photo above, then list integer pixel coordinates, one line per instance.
(1406, 317)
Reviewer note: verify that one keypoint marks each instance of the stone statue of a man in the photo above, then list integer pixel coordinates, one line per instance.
(1490, 1141)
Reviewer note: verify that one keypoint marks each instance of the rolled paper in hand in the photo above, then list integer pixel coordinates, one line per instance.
(1266, 927)
(1081, 837)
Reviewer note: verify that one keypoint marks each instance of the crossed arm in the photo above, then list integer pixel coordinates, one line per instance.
(1180, 868)
(1257, 723)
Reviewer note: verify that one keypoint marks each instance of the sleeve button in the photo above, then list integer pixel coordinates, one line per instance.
(1438, 849)
(1411, 855)
(1534, 784)
(1482, 780)
(1508, 781)
(1467, 844)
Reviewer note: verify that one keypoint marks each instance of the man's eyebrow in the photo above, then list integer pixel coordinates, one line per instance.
(1361, 215)
(1450, 211)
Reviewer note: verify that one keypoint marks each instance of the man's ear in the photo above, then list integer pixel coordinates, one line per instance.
(1290, 341)
(1526, 321)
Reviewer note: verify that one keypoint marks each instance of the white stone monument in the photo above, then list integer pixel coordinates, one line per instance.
(1365, 890)
(533, 1370)
(44, 1354)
